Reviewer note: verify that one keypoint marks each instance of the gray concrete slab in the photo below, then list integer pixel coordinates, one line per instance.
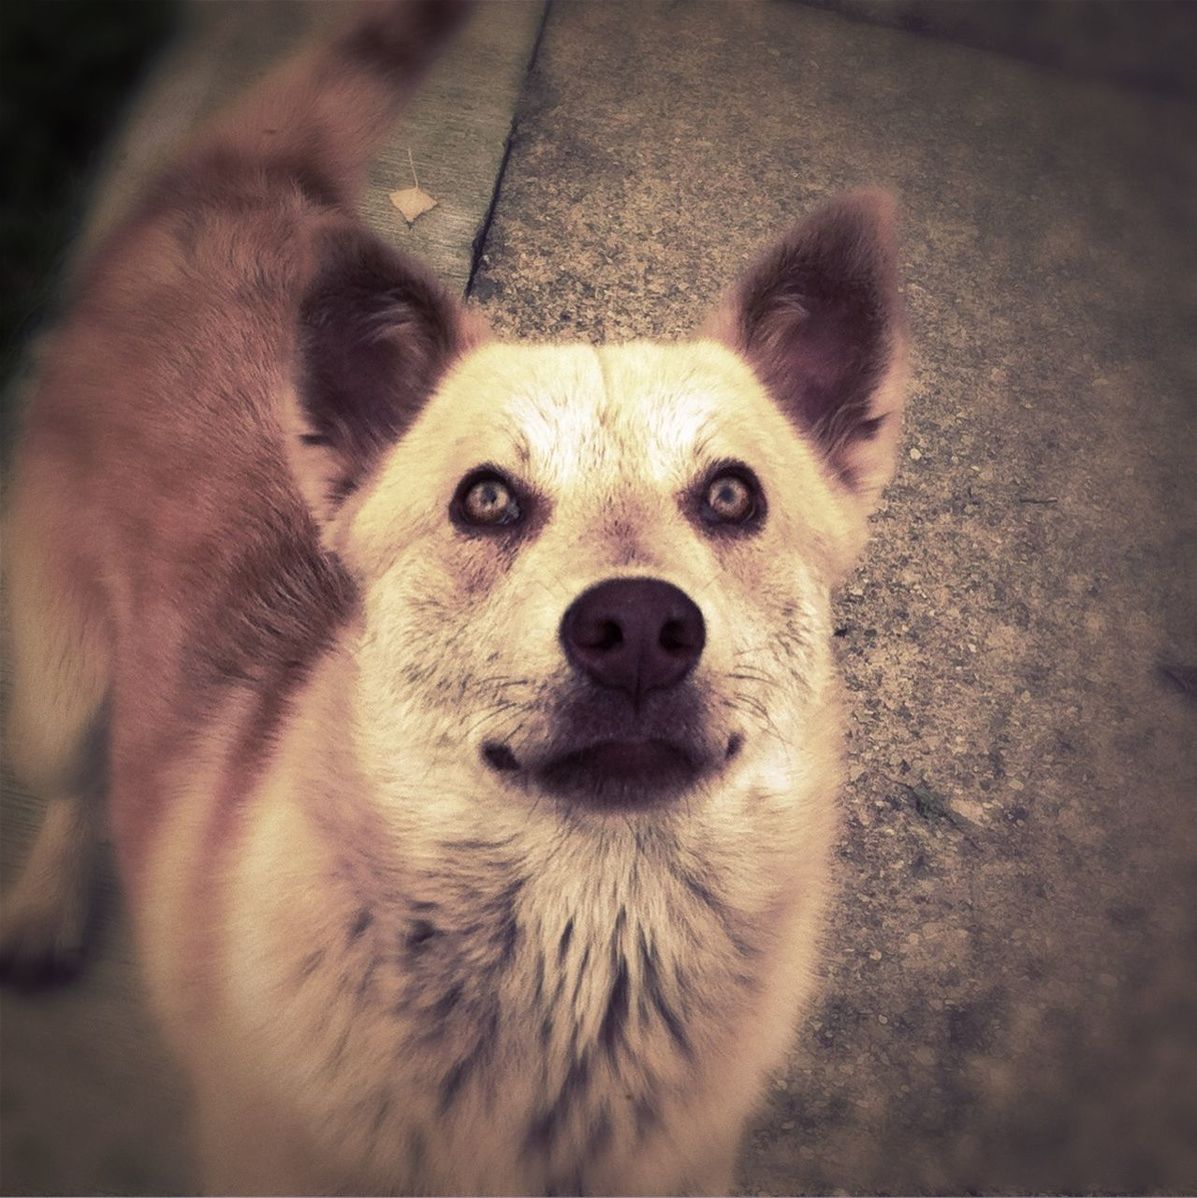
(455, 131)
(1009, 1003)
(1151, 46)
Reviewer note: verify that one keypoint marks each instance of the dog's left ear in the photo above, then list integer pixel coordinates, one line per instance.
(819, 320)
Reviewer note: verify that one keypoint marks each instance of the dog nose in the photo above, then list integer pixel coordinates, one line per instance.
(634, 634)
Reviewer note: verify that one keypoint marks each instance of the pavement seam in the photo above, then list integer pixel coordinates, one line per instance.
(478, 247)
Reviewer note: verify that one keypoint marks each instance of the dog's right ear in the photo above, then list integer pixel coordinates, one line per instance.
(376, 334)
(819, 320)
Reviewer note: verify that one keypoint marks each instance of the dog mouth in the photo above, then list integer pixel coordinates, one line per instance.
(620, 771)
(614, 768)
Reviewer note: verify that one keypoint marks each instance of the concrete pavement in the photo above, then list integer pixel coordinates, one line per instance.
(1010, 993)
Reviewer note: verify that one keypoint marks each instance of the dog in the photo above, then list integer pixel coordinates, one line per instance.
(466, 710)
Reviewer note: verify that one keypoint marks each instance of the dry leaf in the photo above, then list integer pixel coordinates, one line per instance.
(412, 202)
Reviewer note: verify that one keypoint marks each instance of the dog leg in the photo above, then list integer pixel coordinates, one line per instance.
(44, 921)
(55, 740)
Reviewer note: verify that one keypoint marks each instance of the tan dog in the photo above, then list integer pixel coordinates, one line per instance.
(468, 709)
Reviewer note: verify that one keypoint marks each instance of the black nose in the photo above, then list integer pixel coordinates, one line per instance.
(634, 634)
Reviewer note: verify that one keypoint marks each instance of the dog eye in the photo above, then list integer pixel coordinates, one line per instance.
(732, 497)
(486, 500)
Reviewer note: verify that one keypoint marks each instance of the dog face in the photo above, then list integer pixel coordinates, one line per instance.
(602, 571)
(603, 574)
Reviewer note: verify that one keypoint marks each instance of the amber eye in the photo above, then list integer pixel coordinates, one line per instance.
(486, 500)
(731, 498)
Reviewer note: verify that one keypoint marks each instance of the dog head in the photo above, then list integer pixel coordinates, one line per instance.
(601, 574)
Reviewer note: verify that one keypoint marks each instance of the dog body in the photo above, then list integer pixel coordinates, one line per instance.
(468, 709)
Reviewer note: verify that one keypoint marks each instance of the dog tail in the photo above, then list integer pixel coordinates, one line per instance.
(316, 121)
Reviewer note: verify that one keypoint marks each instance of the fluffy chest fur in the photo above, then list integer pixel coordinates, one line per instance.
(556, 1004)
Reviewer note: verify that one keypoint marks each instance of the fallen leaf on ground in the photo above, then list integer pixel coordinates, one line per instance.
(412, 202)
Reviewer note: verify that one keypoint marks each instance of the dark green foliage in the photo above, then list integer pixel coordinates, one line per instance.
(67, 70)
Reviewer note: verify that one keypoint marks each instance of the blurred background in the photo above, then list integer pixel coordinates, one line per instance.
(1010, 1002)
(68, 69)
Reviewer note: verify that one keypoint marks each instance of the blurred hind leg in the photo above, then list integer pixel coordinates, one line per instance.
(44, 920)
(59, 668)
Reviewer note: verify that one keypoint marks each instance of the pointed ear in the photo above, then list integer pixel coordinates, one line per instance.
(376, 334)
(819, 320)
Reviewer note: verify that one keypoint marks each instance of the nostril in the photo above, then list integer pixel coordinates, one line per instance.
(676, 637)
(608, 635)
